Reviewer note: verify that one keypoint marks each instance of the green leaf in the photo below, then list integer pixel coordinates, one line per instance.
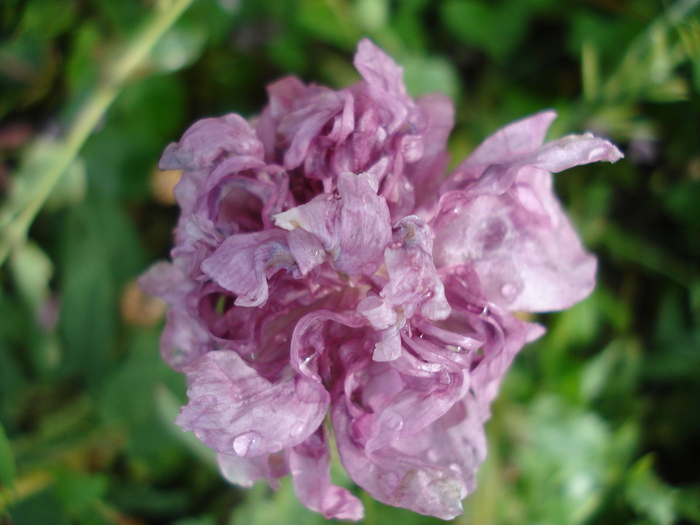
(280, 507)
(430, 75)
(128, 399)
(497, 29)
(8, 469)
(78, 491)
(32, 270)
(648, 495)
(100, 253)
(331, 22)
(168, 405)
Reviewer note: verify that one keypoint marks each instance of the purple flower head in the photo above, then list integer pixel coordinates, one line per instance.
(328, 280)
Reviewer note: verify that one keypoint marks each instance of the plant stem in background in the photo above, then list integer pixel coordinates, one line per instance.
(17, 217)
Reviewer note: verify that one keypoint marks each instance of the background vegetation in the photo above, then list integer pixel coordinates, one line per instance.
(598, 422)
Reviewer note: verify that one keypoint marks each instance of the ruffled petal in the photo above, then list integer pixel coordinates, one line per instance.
(310, 464)
(234, 410)
(243, 263)
(209, 140)
(396, 478)
(354, 229)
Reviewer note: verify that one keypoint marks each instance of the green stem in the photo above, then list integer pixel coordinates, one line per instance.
(14, 232)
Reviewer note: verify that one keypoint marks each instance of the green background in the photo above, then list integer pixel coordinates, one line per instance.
(597, 422)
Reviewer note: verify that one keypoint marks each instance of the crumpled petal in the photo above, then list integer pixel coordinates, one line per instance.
(310, 466)
(414, 284)
(234, 410)
(244, 262)
(398, 479)
(322, 262)
(504, 221)
(353, 229)
(207, 141)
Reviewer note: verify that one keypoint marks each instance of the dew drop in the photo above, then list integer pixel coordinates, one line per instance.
(393, 421)
(280, 338)
(298, 430)
(246, 443)
(508, 290)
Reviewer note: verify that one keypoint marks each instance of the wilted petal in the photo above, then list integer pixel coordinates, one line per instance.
(414, 284)
(234, 410)
(210, 140)
(243, 263)
(354, 229)
(167, 281)
(427, 174)
(184, 339)
(309, 116)
(310, 464)
(398, 479)
(510, 142)
(379, 69)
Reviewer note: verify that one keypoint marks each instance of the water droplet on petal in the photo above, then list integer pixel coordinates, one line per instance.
(246, 443)
(509, 290)
(393, 421)
(298, 430)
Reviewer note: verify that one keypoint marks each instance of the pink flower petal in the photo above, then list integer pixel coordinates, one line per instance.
(235, 411)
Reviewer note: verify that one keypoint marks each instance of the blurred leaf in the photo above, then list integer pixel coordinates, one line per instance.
(330, 21)
(477, 23)
(121, 156)
(179, 48)
(32, 270)
(48, 18)
(613, 373)
(8, 469)
(100, 252)
(128, 399)
(70, 188)
(40, 509)
(28, 180)
(206, 520)
(168, 405)
(648, 495)
(281, 507)
(572, 455)
(430, 75)
(371, 15)
(78, 491)
(688, 503)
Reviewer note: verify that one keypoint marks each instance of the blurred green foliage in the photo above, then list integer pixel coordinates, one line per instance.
(598, 422)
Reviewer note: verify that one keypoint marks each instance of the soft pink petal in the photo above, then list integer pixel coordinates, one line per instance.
(210, 140)
(243, 263)
(310, 463)
(354, 229)
(234, 410)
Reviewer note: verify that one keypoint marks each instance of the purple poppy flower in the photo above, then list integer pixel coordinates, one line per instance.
(325, 266)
